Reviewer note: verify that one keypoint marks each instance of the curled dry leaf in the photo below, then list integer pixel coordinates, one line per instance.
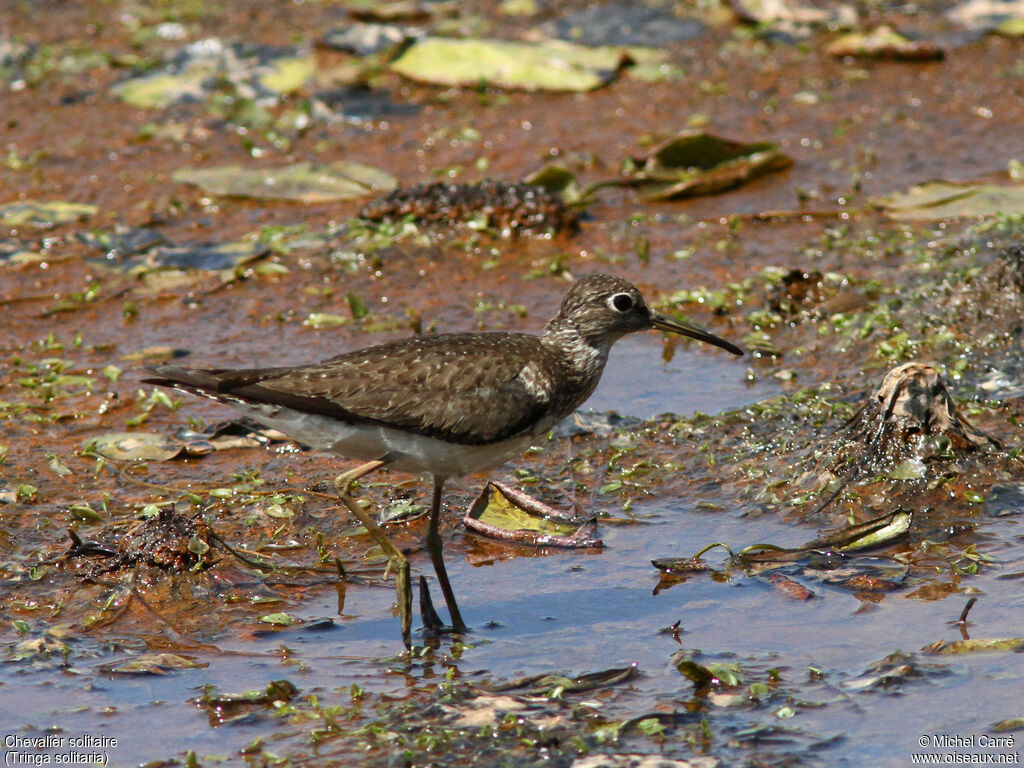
(504, 513)
(696, 163)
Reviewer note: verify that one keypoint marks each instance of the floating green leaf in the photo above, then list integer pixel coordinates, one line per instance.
(890, 672)
(791, 17)
(325, 320)
(169, 261)
(551, 65)
(159, 90)
(153, 353)
(43, 215)
(302, 182)
(882, 43)
(1011, 28)
(554, 177)
(944, 200)
(279, 619)
(554, 685)
(195, 71)
(704, 675)
(39, 647)
(134, 446)
(400, 511)
(15, 252)
(152, 664)
(979, 645)
(276, 690)
(85, 513)
(356, 305)
(287, 75)
(1004, 17)
(57, 466)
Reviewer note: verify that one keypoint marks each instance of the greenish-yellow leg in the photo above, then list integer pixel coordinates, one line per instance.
(398, 562)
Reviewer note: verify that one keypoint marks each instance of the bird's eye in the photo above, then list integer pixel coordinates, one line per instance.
(623, 302)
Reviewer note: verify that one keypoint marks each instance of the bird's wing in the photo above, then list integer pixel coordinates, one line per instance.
(483, 389)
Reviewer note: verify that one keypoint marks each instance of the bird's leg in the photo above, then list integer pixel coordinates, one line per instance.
(398, 562)
(435, 548)
(432, 623)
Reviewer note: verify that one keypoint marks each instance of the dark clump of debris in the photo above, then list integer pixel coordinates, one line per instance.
(796, 290)
(1011, 269)
(169, 541)
(510, 208)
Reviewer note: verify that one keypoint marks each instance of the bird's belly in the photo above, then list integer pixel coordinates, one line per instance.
(405, 451)
(416, 453)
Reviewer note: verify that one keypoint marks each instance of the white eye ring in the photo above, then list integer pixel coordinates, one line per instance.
(621, 302)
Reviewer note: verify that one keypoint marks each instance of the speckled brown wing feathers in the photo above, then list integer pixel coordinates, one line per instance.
(416, 384)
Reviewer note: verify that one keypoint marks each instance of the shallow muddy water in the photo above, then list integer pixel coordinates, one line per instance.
(575, 612)
(693, 380)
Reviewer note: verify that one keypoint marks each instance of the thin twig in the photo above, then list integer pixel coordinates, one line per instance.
(966, 610)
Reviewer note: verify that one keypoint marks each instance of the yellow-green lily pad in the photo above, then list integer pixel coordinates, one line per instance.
(45, 645)
(278, 619)
(791, 12)
(551, 65)
(153, 664)
(1004, 17)
(276, 690)
(1011, 28)
(14, 252)
(134, 446)
(713, 674)
(975, 645)
(1009, 724)
(160, 90)
(936, 200)
(287, 75)
(883, 42)
(192, 73)
(301, 182)
(33, 213)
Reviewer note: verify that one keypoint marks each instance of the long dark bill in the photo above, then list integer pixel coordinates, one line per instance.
(671, 325)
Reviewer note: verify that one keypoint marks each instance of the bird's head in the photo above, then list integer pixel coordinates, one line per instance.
(604, 308)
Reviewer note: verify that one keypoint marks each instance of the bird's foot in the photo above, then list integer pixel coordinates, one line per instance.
(432, 624)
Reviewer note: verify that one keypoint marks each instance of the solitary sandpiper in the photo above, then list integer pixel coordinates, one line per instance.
(446, 405)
